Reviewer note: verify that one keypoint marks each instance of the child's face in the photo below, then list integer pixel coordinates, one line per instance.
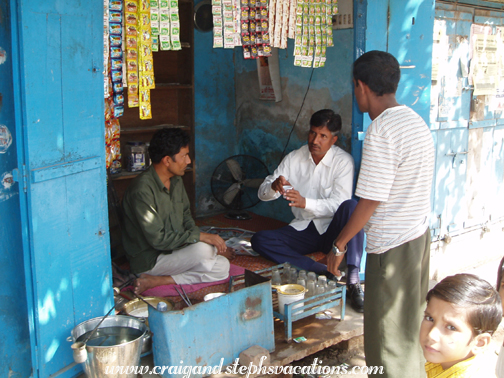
(445, 336)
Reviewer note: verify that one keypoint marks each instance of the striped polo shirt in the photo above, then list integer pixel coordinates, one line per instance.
(397, 169)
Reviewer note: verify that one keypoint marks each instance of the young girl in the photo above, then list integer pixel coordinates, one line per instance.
(500, 288)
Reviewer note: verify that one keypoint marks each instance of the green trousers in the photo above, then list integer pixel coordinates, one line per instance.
(397, 282)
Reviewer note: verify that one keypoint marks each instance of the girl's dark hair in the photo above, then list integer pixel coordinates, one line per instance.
(167, 142)
(326, 117)
(499, 274)
(482, 301)
(379, 70)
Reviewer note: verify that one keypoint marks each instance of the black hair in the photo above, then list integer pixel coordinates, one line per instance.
(167, 142)
(500, 272)
(326, 117)
(379, 70)
(482, 301)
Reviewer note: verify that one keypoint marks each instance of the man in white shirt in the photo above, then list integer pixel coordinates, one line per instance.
(321, 176)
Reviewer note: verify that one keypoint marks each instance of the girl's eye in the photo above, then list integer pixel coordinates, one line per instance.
(428, 318)
(451, 328)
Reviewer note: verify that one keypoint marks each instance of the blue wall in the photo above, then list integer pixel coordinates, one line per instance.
(263, 127)
(230, 119)
(215, 132)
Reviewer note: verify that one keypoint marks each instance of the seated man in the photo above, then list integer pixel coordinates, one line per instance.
(321, 176)
(162, 242)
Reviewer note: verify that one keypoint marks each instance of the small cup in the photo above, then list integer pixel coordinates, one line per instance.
(79, 352)
(285, 188)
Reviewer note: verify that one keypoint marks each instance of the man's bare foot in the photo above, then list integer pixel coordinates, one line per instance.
(146, 282)
(229, 254)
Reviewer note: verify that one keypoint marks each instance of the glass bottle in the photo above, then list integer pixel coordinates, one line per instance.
(331, 285)
(301, 281)
(275, 277)
(322, 281)
(293, 276)
(312, 276)
(285, 273)
(310, 286)
(319, 288)
(302, 274)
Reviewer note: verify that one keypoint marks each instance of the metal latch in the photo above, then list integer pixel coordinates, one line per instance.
(454, 154)
(21, 177)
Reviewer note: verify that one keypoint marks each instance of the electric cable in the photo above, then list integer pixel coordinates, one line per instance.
(294, 125)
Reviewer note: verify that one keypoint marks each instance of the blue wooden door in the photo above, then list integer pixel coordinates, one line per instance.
(61, 84)
(468, 182)
(409, 39)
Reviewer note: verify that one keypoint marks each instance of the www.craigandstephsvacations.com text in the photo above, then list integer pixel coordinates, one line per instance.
(316, 368)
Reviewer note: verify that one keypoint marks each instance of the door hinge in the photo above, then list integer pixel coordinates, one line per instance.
(20, 175)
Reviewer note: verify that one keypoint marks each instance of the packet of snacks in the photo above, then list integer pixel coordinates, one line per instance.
(145, 61)
(132, 27)
(175, 25)
(164, 25)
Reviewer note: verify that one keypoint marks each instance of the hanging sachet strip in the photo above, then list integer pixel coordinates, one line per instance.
(132, 52)
(145, 61)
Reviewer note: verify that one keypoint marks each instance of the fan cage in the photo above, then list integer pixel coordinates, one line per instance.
(235, 191)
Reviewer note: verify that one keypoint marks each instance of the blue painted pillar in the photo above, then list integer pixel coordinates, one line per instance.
(15, 350)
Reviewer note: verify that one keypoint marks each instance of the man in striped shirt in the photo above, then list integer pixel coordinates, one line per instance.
(394, 187)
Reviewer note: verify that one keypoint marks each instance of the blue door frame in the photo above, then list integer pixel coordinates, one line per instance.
(61, 230)
(15, 347)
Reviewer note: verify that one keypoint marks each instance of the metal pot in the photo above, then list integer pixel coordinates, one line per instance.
(101, 360)
(139, 309)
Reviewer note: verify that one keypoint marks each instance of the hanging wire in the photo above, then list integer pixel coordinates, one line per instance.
(294, 125)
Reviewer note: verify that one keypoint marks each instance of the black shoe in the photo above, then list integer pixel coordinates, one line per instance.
(356, 296)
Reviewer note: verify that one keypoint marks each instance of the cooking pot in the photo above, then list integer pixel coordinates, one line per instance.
(140, 309)
(117, 341)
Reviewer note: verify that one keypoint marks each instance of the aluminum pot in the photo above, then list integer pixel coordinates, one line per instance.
(101, 361)
(139, 309)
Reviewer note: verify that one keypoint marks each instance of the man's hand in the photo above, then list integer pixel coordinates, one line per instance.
(278, 184)
(333, 262)
(214, 240)
(295, 198)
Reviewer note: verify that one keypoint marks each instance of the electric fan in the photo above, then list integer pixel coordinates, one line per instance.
(235, 182)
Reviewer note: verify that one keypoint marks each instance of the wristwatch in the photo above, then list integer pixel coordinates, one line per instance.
(337, 252)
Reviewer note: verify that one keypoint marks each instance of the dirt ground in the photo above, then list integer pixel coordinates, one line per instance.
(347, 355)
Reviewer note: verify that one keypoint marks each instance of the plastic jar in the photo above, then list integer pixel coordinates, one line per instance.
(136, 156)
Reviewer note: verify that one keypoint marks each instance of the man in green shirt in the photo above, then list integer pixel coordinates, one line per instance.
(162, 242)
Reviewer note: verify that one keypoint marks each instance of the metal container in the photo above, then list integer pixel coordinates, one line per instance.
(289, 294)
(139, 309)
(102, 361)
